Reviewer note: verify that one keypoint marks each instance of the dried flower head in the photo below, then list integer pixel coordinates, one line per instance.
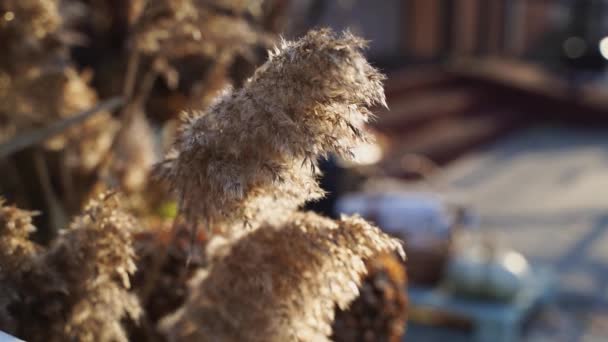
(280, 283)
(78, 288)
(16, 256)
(172, 29)
(27, 31)
(15, 246)
(198, 47)
(260, 143)
(34, 18)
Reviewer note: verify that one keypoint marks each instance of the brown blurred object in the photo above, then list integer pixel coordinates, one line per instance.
(380, 312)
(426, 265)
(134, 154)
(169, 289)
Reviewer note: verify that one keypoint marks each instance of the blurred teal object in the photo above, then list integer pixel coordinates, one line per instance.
(478, 272)
(493, 321)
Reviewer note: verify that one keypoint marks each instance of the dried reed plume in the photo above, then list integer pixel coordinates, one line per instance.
(77, 289)
(172, 29)
(280, 283)
(16, 255)
(95, 258)
(15, 246)
(30, 18)
(200, 45)
(261, 142)
(28, 32)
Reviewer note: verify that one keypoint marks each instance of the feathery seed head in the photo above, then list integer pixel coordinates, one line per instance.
(311, 98)
(90, 263)
(16, 257)
(280, 282)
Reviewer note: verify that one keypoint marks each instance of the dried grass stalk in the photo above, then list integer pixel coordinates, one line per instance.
(280, 283)
(261, 142)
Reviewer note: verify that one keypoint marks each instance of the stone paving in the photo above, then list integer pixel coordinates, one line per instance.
(544, 192)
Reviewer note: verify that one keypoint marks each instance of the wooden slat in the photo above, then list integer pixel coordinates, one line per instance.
(418, 107)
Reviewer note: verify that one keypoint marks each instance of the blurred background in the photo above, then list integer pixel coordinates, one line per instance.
(490, 161)
(497, 125)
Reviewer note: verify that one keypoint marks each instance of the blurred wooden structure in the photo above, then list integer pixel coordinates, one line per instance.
(435, 29)
(411, 31)
(442, 112)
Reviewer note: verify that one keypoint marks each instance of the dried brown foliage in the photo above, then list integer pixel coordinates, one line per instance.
(170, 288)
(260, 144)
(77, 289)
(38, 85)
(174, 29)
(33, 19)
(199, 46)
(249, 159)
(41, 97)
(16, 249)
(16, 255)
(379, 314)
(28, 32)
(252, 158)
(280, 283)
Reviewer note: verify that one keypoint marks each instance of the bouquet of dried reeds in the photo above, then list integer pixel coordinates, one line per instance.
(241, 166)
(245, 165)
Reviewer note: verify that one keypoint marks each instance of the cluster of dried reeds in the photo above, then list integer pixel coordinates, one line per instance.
(252, 157)
(76, 289)
(279, 282)
(39, 84)
(148, 52)
(241, 166)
